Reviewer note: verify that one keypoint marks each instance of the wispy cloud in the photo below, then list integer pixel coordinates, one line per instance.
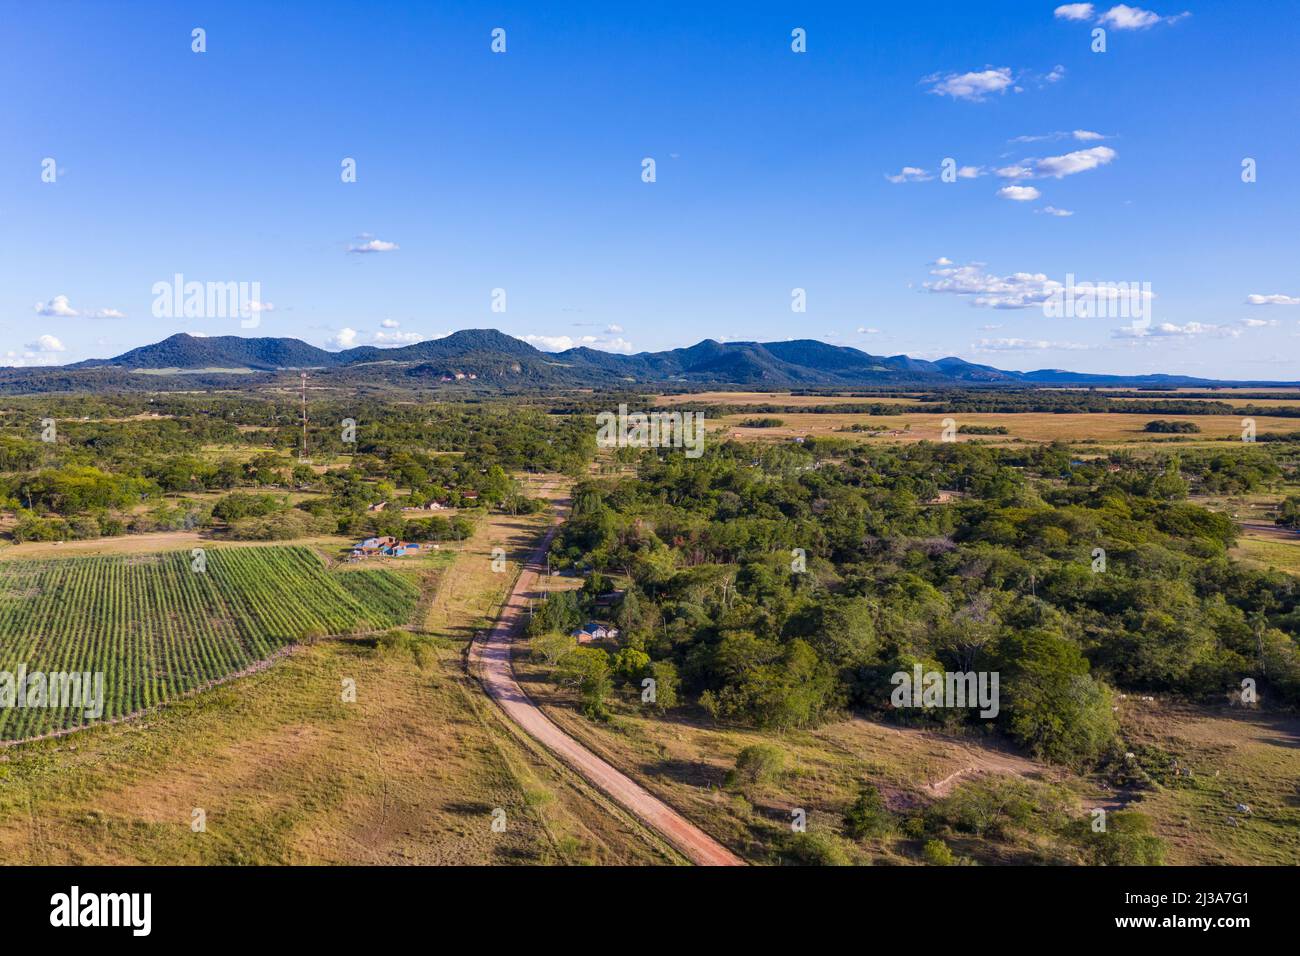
(1123, 17)
(910, 174)
(1082, 135)
(373, 245)
(1171, 330)
(1277, 299)
(1079, 161)
(1025, 345)
(974, 86)
(397, 338)
(1074, 11)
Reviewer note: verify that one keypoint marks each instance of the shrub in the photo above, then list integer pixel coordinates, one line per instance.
(757, 764)
(814, 849)
(937, 853)
(868, 816)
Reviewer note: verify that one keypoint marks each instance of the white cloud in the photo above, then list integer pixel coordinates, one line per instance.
(374, 245)
(1124, 17)
(389, 324)
(561, 343)
(13, 359)
(1024, 290)
(973, 86)
(1170, 330)
(1024, 345)
(1057, 74)
(1256, 299)
(1053, 211)
(1079, 161)
(613, 329)
(989, 328)
(910, 174)
(969, 172)
(1019, 193)
(1082, 135)
(345, 339)
(1014, 171)
(398, 338)
(1020, 290)
(1074, 11)
(254, 306)
(58, 306)
(862, 330)
(1259, 323)
(557, 343)
(46, 343)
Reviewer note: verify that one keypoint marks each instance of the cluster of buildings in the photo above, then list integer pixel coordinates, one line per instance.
(384, 546)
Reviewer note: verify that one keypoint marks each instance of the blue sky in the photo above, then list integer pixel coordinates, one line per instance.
(775, 170)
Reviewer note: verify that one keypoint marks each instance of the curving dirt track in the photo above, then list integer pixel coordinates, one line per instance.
(490, 658)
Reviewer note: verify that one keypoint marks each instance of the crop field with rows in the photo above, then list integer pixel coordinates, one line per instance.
(156, 627)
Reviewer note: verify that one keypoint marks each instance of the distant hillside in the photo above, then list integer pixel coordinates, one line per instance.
(490, 359)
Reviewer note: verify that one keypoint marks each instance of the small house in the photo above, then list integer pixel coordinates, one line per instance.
(594, 631)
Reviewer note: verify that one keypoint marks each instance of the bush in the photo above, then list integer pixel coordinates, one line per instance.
(1126, 841)
(1172, 428)
(756, 764)
(814, 849)
(937, 853)
(868, 816)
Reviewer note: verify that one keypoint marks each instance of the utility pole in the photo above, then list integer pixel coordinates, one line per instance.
(304, 416)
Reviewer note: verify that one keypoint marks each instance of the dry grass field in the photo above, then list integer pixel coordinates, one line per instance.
(1023, 426)
(777, 398)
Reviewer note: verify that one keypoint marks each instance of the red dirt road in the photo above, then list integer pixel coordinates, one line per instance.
(490, 657)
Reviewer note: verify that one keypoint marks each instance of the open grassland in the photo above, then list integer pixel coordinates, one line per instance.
(159, 625)
(277, 769)
(1234, 757)
(1280, 552)
(1022, 426)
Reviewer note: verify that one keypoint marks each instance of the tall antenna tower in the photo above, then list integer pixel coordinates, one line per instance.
(304, 416)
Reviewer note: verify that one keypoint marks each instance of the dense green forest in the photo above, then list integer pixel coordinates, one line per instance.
(781, 585)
